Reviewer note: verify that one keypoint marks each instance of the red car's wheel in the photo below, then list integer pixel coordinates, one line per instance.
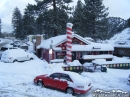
(40, 83)
(70, 91)
(31, 58)
(15, 61)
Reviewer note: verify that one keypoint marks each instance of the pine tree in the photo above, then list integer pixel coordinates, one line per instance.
(55, 7)
(95, 18)
(17, 23)
(0, 29)
(128, 22)
(78, 18)
(45, 22)
(29, 23)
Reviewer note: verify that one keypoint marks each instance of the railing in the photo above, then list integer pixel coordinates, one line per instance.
(77, 69)
(119, 65)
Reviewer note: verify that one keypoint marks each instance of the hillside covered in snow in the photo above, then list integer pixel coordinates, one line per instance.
(121, 38)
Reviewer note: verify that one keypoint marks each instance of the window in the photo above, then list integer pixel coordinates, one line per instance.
(60, 55)
(66, 77)
(88, 53)
(100, 52)
(3, 49)
(105, 52)
(55, 75)
(83, 53)
(110, 52)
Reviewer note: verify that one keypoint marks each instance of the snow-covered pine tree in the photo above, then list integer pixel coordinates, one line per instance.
(128, 22)
(57, 11)
(95, 18)
(78, 19)
(17, 22)
(0, 29)
(29, 24)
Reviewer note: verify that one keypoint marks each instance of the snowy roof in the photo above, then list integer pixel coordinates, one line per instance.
(57, 40)
(97, 56)
(53, 40)
(93, 47)
(62, 38)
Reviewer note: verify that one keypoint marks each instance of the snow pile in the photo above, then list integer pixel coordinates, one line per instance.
(99, 61)
(110, 80)
(87, 64)
(74, 63)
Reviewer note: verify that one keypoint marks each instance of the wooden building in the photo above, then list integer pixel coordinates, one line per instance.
(80, 47)
(122, 50)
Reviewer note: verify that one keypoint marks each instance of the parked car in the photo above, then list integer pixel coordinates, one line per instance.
(129, 78)
(70, 82)
(14, 55)
(16, 44)
(89, 67)
(4, 48)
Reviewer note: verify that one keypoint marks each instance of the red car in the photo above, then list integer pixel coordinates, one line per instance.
(67, 81)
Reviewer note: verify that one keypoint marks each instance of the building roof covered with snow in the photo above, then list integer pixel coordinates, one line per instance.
(88, 46)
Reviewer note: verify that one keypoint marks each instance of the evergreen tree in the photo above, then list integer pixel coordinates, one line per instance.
(95, 19)
(29, 24)
(0, 29)
(45, 22)
(17, 23)
(78, 18)
(128, 22)
(55, 6)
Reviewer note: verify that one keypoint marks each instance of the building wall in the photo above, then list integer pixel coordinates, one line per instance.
(38, 40)
(46, 54)
(121, 52)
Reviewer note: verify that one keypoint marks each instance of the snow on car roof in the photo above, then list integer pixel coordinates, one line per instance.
(77, 78)
(15, 51)
(73, 75)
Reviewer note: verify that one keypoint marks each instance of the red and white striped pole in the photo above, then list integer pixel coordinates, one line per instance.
(69, 43)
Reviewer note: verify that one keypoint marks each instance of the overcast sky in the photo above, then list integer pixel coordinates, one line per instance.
(117, 8)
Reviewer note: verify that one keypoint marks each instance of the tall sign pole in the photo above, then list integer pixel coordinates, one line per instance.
(69, 42)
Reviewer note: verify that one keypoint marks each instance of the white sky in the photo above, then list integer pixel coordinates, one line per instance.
(117, 8)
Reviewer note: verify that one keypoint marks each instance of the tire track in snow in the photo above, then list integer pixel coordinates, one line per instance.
(13, 93)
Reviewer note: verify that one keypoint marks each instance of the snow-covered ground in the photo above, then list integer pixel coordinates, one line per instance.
(16, 79)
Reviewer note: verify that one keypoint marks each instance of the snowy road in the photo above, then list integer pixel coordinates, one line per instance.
(12, 93)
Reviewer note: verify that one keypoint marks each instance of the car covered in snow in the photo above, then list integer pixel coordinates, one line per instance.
(4, 48)
(129, 78)
(67, 81)
(14, 55)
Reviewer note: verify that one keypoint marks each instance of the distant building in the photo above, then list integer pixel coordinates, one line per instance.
(122, 49)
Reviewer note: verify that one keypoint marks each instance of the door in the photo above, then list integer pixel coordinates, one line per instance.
(62, 83)
(52, 80)
(73, 56)
(21, 55)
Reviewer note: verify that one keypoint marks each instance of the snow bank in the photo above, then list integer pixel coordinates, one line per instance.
(74, 63)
